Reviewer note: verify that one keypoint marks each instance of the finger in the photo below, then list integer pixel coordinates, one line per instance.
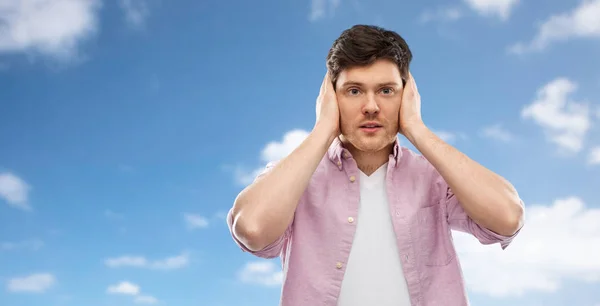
(413, 84)
(329, 85)
(324, 83)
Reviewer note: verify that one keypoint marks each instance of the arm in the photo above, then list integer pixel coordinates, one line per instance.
(487, 198)
(263, 211)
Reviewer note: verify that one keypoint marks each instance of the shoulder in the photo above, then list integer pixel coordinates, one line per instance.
(414, 161)
(416, 165)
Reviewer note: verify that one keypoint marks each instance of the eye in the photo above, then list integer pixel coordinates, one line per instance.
(353, 91)
(387, 91)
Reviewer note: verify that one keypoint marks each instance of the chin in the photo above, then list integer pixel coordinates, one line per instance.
(370, 144)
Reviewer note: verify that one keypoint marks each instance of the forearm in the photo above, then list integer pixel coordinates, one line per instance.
(263, 211)
(487, 198)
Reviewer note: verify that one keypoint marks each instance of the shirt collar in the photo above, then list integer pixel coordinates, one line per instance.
(337, 152)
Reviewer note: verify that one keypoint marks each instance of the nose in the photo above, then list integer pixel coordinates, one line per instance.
(371, 107)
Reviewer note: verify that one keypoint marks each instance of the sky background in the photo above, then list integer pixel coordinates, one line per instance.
(128, 127)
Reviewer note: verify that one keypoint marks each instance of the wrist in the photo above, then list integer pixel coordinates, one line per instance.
(325, 132)
(416, 131)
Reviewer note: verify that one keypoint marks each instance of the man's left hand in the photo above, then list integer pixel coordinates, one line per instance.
(410, 108)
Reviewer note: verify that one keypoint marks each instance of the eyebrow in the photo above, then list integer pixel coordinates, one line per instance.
(353, 83)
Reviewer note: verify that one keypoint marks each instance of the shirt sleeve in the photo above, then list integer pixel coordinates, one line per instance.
(460, 221)
(272, 250)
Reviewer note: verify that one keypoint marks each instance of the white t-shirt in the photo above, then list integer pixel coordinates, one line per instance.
(374, 273)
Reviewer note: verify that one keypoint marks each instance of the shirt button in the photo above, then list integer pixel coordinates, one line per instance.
(352, 178)
(339, 163)
(338, 265)
(350, 219)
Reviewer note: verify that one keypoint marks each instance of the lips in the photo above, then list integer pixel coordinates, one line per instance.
(371, 125)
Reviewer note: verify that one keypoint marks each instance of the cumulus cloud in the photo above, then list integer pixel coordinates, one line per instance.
(273, 151)
(264, 273)
(169, 263)
(125, 288)
(34, 283)
(276, 150)
(14, 191)
(581, 22)
(50, 27)
(493, 8)
(565, 122)
(558, 243)
(497, 132)
(131, 289)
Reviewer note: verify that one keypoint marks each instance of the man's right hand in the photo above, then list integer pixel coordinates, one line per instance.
(328, 112)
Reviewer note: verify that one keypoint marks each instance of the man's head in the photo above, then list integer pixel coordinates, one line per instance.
(369, 66)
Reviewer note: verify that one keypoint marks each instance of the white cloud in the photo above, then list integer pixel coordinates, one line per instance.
(136, 12)
(449, 137)
(276, 150)
(498, 8)
(34, 245)
(581, 22)
(125, 288)
(264, 273)
(444, 14)
(49, 27)
(558, 243)
(244, 176)
(594, 156)
(35, 283)
(169, 263)
(565, 122)
(498, 132)
(146, 299)
(194, 221)
(126, 261)
(129, 288)
(320, 8)
(273, 151)
(14, 190)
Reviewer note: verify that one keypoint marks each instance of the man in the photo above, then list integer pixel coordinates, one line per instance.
(356, 218)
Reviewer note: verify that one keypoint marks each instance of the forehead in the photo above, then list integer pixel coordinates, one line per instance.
(381, 71)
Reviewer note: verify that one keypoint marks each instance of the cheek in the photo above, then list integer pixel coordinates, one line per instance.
(347, 112)
(391, 113)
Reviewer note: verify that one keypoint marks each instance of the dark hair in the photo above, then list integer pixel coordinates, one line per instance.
(362, 45)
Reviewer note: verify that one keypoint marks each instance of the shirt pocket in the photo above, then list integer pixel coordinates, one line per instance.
(434, 237)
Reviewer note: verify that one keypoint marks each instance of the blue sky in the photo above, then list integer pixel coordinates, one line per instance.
(127, 128)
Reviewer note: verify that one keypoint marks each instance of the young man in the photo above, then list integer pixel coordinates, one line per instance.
(356, 218)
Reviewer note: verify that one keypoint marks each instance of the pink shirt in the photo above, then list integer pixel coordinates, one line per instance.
(315, 247)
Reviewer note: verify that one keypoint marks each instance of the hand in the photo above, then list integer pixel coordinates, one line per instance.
(328, 112)
(409, 115)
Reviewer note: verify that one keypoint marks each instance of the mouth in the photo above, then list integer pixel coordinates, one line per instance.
(371, 127)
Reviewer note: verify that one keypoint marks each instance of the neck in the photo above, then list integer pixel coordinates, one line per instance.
(369, 161)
